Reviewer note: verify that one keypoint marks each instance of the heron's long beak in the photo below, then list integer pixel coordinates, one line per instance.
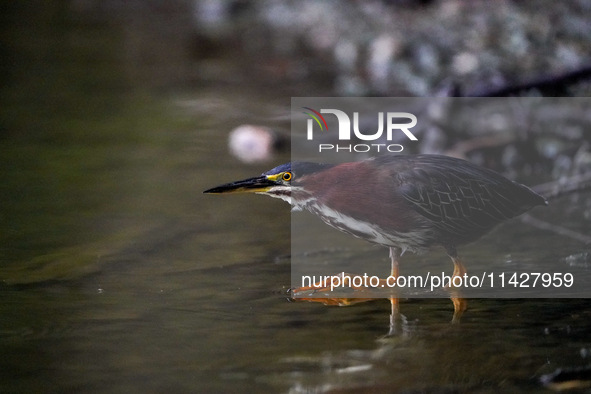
(252, 185)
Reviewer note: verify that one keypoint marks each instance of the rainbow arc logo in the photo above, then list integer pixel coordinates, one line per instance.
(316, 117)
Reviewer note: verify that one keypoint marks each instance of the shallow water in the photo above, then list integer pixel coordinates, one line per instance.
(233, 330)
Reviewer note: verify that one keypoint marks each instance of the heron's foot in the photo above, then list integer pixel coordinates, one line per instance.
(331, 283)
(335, 301)
(350, 281)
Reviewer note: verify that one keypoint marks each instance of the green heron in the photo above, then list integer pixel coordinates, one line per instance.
(405, 202)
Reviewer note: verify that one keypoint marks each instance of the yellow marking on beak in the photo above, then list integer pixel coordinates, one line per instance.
(275, 177)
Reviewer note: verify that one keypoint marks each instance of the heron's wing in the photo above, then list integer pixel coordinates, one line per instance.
(459, 203)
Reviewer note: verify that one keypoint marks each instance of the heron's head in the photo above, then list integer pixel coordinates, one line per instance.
(281, 182)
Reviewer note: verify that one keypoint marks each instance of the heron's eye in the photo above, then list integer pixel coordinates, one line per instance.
(287, 176)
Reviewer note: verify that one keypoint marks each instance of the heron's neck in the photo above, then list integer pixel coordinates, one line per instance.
(282, 192)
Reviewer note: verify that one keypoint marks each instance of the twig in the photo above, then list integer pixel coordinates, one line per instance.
(542, 225)
(554, 85)
(462, 148)
(563, 186)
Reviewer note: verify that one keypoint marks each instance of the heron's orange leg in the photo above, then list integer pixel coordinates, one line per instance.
(460, 305)
(394, 256)
(395, 303)
(459, 269)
